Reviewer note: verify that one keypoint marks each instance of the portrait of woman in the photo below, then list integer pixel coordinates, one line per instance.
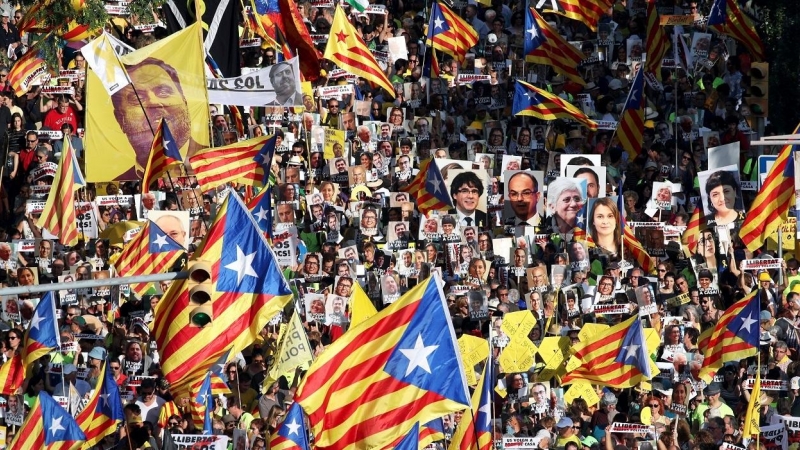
(604, 225)
(396, 117)
(477, 269)
(723, 198)
(707, 250)
(565, 198)
(27, 276)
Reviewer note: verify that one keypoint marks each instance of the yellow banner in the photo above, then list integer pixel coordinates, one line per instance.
(295, 350)
(676, 20)
(170, 81)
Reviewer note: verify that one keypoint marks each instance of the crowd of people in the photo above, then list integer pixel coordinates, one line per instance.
(532, 221)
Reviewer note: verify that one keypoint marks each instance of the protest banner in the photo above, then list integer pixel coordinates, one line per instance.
(257, 89)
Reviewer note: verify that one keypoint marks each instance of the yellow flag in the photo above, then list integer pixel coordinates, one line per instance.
(361, 307)
(517, 325)
(751, 419)
(295, 351)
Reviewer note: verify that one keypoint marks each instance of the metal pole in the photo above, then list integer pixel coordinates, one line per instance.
(89, 284)
(780, 254)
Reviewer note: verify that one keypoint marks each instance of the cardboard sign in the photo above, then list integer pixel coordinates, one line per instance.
(761, 264)
(676, 20)
(195, 441)
(635, 428)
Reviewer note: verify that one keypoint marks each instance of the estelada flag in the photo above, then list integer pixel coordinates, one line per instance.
(348, 51)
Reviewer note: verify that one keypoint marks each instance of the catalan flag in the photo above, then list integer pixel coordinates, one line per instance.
(631, 122)
(431, 432)
(771, 206)
(735, 336)
(691, 236)
(150, 251)
(261, 209)
(103, 413)
(28, 23)
(752, 417)
(656, 44)
(475, 430)
(42, 335)
(58, 215)
(29, 68)
(292, 434)
(629, 241)
(164, 154)
(204, 403)
(450, 33)
(579, 233)
(248, 289)
(48, 426)
(532, 101)
(398, 368)
(242, 162)
(12, 374)
(429, 188)
(284, 17)
(617, 357)
(543, 45)
(347, 50)
(726, 18)
(430, 67)
(587, 11)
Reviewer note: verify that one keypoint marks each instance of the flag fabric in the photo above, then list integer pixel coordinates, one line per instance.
(248, 289)
(103, 413)
(105, 63)
(12, 374)
(260, 207)
(163, 154)
(48, 426)
(361, 307)
(450, 33)
(347, 50)
(430, 67)
(587, 11)
(240, 162)
(431, 432)
(205, 400)
(617, 357)
(691, 236)
(41, 337)
(58, 215)
(220, 25)
(735, 336)
(726, 18)
(631, 122)
(656, 43)
(294, 350)
(29, 68)
(532, 101)
(544, 45)
(168, 410)
(579, 233)
(28, 23)
(284, 16)
(752, 417)
(292, 434)
(429, 188)
(406, 441)
(151, 251)
(475, 432)
(399, 367)
(629, 241)
(359, 5)
(773, 201)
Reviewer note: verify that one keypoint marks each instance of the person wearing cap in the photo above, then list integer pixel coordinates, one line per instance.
(589, 442)
(97, 357)
(566, 432)
(713, 404)
(70, 373)
(575, 140)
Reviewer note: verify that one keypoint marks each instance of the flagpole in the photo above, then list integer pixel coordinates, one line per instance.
(625, 104)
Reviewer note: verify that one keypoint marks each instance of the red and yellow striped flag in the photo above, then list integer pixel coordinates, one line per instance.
(736, 336)
(726, 17)
(347, 50)
(771, 205)
(630, 128)
(58, 215)
(164, 154)
(449, 33)
(635, 249)
(656, 44)
(543, 45)
(26, 70)
(429, 189)
(242, 162)
(586, 11)
(532, 101)
(12, 374)
(151, 251)
(168, 410)
(691, 236)
(103, 413)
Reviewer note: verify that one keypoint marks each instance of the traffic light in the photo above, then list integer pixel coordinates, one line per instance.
(201, 288)
(758, 98)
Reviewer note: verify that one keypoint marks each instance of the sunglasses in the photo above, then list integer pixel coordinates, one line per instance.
(173, 424)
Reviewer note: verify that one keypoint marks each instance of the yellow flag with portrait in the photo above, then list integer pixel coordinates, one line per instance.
(167, 79)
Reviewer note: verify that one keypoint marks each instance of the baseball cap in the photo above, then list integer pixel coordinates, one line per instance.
(589, 441)
(69, 368)
(565, 422)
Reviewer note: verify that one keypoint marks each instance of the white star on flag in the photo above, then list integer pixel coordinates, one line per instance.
(243, 265)
(748, 323)
(166, 143)
(160, 241)
(486, 409)
(105, 399)
(261, 214)
(418, 356)
(436, 184)
(294, 427)
(36, 320)
(438, 22)
(56, 426)
(632, 351)
(533, 32)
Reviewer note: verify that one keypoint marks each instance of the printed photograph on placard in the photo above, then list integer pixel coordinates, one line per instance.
(558, 275)
(390, 287)
(646, 300)
(315, 307)
(478, 305)
(662, 198)
(468, 192)
(578, 256)
(537, 279)
(478, 271)
(522, 143)
(604, 224)
(605, 289)
(484, 161)
(721, 192)
(335, 310)
(175, 223)
(595, 178)
(510, 164)
(565, 200)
